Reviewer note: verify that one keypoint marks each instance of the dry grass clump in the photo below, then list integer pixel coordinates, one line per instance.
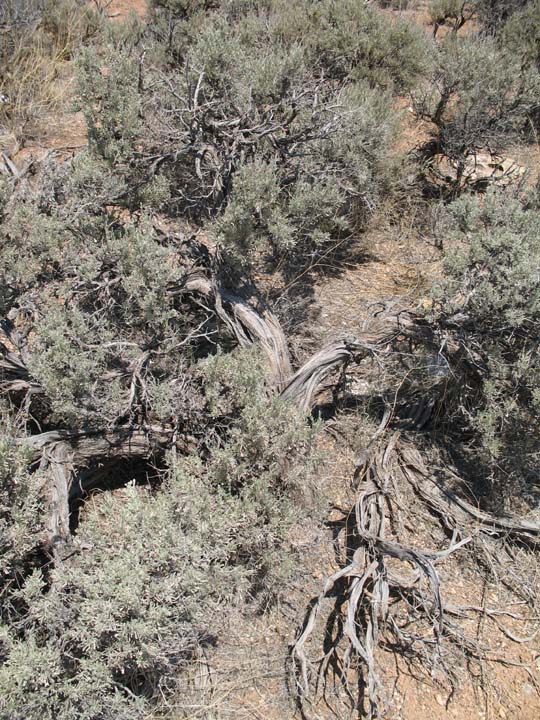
(37, 39)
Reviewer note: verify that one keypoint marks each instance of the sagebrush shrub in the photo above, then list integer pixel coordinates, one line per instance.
(110, 101)
(521, 35)
(492, 14)
(301, 95)
(348, 39)
(478, 97)
(489, 309)
(107, 632)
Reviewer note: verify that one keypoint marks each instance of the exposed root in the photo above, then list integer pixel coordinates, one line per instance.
(375, 602)
(455, 511)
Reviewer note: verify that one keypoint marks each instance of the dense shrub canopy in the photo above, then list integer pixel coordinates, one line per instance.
(153, 572)
(299, 97)
(226, 138)
(489, 311)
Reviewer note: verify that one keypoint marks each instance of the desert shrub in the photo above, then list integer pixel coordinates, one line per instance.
(5, 193)
(492, 14)
(488, 309)
(269, 130)
(259, 136)
(69, 361)
(184, 8)
(32, 248)
(454, 13)
(339, 180)
(230, 382)
(108, 341)
(521, 35)
(110, 101)
(351, 40)
(96, 291)
(109, 630)
(394, 4)
(119, 621)
(14, 13)
(228, 89)
(478, 97)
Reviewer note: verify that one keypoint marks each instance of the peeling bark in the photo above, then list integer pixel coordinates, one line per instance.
(63, 455)
(248, 325)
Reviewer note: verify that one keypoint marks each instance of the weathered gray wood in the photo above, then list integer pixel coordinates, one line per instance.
(56, 462)
(304, 384)
(248, 325)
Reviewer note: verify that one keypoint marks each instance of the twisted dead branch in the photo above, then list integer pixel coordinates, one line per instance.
(454, 511)
(247, 324)
(304, 384)
(373, 603)
(64, 456)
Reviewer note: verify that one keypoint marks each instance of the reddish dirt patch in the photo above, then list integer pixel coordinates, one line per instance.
(122, 8)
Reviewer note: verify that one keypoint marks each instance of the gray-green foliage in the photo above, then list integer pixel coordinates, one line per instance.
(478, 96)
(109, 341)
(126, 613)
(110, 101)
(121, 618)
(20, 502)
(521, 34)
(357, 41)
(349, 40)
(297, 96)
(19, 12)
(109, 630)
(268, 125)
(32, 247)
(490, 306)
(68, 359)
(492, 14)
(102, 299)
(342, 38)
(334, 182)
